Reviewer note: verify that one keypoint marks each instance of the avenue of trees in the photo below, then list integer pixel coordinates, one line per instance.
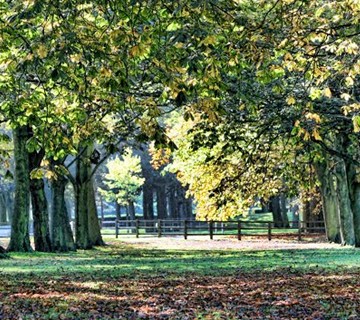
(244, 99)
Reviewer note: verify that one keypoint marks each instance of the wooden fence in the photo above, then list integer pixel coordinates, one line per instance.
(186, 228)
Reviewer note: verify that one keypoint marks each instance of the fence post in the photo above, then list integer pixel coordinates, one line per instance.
(159, 228)
(116, 228)
(137, 228)
(185, 229)
(211, 229)
(299, 231)
(269, 231)
(239, 230)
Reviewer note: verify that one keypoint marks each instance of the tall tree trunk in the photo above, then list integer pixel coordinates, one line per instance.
(330, 202)
(40, 216)
(354, 186)
(284, 215)
(148, 202)
(3, 209)
(94, 226)
(117, 210)
(131, 208)
(173, 208)
(161, 202)
(9, 204)
(39, 207)
(102, 208)
(86, 229)
(20, 240)
(276, 211)
(356, 211)
(62, 237)
(346, 213)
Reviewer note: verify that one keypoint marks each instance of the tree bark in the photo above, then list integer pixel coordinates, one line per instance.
(87, 230)
(354, 186)
(39, 207)
(94, 226)
(356, 212)
(148, 202)
(117, 210)
(161, 202)
(62, 237)
(276, 212)
(40, 215)
(284, 216)
(3, 209)
(131, 208)
(330, 202)
(173, 207)
(346, 213)
(20, 240)
(9, 200)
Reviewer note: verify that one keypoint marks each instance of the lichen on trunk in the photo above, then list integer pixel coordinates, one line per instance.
(20, 240)
(62, 237)
(87, 227)
(346, 213)
(330, 204)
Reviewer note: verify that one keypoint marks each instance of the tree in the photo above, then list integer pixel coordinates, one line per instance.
(69, 70)
(287, 71)
(123, 181)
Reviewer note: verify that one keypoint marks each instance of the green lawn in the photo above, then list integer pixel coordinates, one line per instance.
(121, 281)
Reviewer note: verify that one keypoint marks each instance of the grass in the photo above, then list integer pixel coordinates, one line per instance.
(124, 260)
(125, 281)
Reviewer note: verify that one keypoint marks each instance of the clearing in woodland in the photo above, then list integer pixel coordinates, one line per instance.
(171, 278)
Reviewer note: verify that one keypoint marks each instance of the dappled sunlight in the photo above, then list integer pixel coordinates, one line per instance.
(124, 282)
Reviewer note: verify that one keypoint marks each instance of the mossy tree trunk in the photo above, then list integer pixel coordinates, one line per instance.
(345, 208)
(354, 186)
(62, 237)
(330, 204)
(39, 207)
(20, 240)
(94, 225)
(87, 228)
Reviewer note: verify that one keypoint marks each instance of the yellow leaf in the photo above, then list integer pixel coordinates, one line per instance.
(41, 51)
(345, 96)
(50, 174)
(313, 116)
(356, 123)
(134, 51)
(290, 100)
(316, 135)
(327, 93)
(349, 81)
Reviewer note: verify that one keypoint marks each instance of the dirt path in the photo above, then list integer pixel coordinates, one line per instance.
(226, 243)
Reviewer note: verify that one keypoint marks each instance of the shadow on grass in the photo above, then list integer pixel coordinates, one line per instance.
(123, 282)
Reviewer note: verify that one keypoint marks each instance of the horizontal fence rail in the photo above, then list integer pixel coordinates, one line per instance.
(186, 228)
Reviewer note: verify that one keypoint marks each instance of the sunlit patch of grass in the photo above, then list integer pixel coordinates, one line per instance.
(124, 260)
